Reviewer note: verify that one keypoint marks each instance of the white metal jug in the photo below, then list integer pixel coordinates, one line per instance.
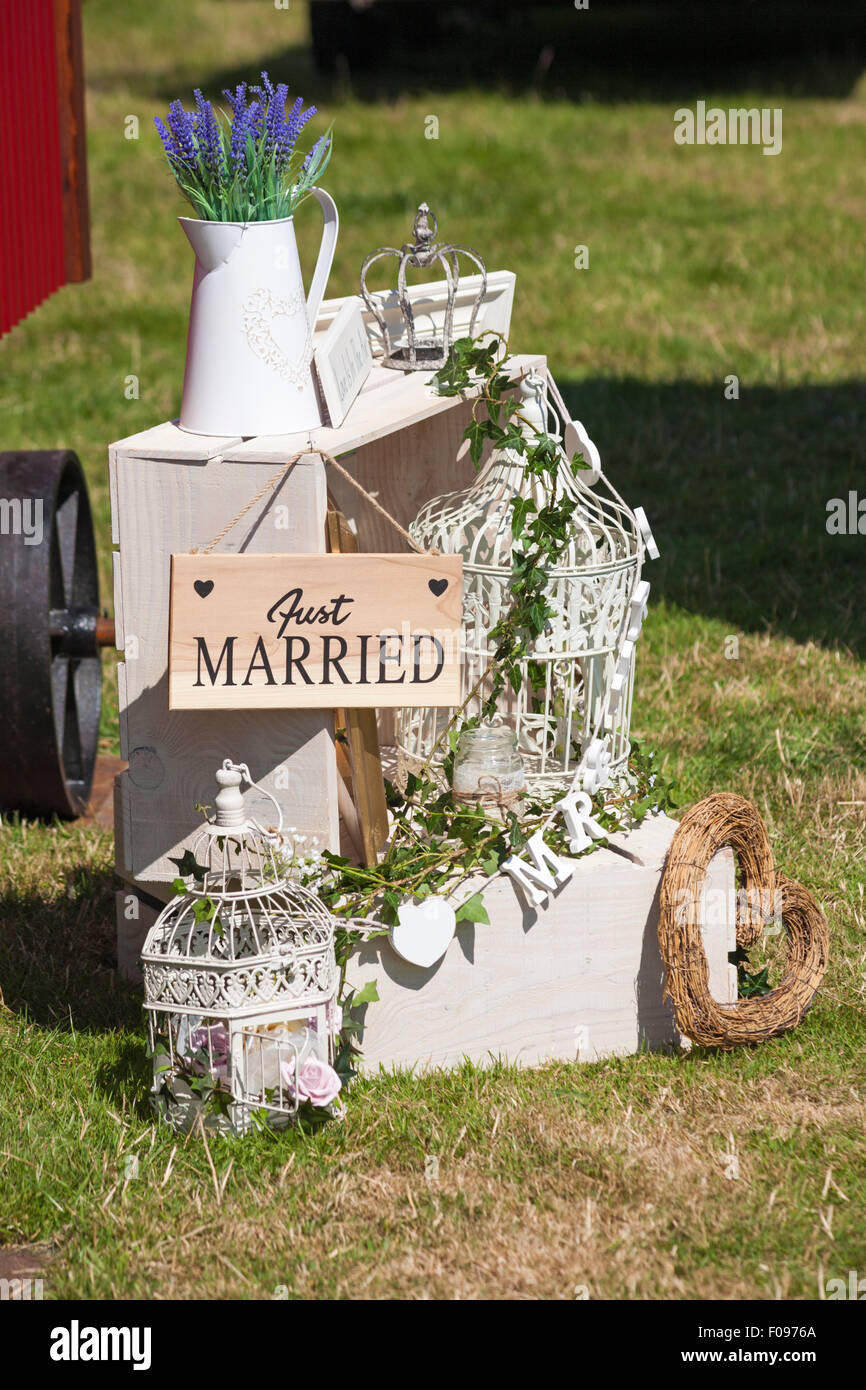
(249, 355)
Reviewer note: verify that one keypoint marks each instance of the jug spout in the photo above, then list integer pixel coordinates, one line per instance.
(212, 242)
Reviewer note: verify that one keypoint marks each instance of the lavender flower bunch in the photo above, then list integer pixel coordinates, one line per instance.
(246, 166)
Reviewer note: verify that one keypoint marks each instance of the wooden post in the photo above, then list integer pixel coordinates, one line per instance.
(73, 142)
(368, 785)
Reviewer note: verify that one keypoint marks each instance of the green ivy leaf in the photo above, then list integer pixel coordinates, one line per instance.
(390, 905)
(189, 866)
(477, 431)
(490, 864)
(367, 994)
(473, 910)
(520, 509)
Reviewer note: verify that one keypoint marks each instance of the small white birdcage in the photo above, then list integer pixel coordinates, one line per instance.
(565, 702)
(240, 981)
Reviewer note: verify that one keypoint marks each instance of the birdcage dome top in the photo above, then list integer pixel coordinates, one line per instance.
(240, 955)
(273, 923)
(243, 933)
(476, 521)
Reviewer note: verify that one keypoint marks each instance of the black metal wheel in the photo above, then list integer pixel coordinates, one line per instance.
(50, 671)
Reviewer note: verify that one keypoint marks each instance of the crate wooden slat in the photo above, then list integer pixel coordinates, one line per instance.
(169, 441)
(389, 401)
(428, 305)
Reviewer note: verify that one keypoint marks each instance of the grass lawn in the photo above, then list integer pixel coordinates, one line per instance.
(713, 1175)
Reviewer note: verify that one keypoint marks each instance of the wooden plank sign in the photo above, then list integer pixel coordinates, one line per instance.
(314, 631)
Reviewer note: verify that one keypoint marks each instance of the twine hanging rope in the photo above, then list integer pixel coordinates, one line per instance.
(282, 471)
(488, 793)
(717, 821)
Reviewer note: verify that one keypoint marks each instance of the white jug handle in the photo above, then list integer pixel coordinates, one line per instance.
(326, 254)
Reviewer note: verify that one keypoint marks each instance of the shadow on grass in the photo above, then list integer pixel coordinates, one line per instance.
(58, 956)
(737, 492)
(617, 52)
(126, 1080)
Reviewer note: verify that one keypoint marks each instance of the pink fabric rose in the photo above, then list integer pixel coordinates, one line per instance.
(215, 1041)
(318, 1083)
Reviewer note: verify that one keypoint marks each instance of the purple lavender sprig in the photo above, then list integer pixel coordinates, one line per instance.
(179, 140)
(314, 156)
(295, 123)
(207, 132)
(245, 166)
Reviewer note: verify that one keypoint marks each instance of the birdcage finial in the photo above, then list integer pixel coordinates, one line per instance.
(229, 802)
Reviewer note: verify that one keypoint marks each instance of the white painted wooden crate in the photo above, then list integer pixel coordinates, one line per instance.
(579, 980)
(172, 491)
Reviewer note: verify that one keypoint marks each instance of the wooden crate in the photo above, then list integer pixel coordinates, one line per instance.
(172, 491)
(579, 980)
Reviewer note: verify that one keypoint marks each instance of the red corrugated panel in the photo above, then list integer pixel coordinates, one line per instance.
(31, 200)
(5, 319)
(54, 186)
(24, 140)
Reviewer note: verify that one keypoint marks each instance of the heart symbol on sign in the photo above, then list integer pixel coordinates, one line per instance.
(203, 587)
(424, 931)
(437, 586)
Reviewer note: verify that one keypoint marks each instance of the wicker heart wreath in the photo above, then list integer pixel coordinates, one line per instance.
(724, 819)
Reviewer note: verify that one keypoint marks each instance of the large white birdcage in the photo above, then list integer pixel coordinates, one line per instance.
(565, 698)
(240, 981)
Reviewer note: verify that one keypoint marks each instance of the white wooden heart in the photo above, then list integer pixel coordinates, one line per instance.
(424, 931)
(577, 441)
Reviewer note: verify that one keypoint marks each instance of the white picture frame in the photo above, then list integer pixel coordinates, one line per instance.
(428, 305)
(344, 360)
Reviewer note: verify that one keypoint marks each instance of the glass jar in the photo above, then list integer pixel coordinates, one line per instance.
(487, 766)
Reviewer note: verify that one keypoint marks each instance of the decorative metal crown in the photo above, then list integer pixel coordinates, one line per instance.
(404, 349)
